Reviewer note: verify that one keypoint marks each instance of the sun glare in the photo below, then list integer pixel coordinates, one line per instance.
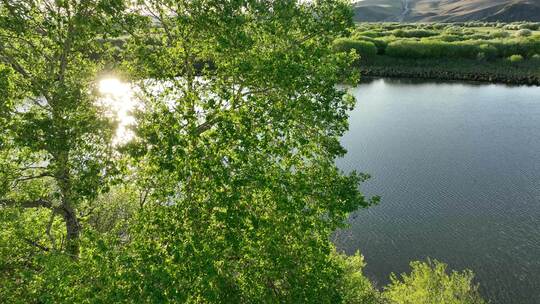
(118, 96)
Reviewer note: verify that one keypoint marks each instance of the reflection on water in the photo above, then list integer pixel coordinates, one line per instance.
(458, 169)
(118, 97)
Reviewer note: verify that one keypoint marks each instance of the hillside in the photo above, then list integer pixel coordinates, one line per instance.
(447, 10)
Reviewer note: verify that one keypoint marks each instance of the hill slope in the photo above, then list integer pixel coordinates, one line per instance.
(447, 10)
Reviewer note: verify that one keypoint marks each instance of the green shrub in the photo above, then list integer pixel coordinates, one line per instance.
(530, 26)
(414, 33)
(490, 52)
(380, 44)
(354, 287)
(481, 56)
(365, 49)
(372, 34)
(429, 283)
(511, 27)
(523, 33)
(500, 34)
(433, 49)
(414, 41)
(535, 57)
(478, 37)
(523, 47)
(449, 37)
(515, 58)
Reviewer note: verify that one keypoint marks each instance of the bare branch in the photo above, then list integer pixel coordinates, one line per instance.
(36, 244)
(27, 178)
(49, 226)
(39, 203)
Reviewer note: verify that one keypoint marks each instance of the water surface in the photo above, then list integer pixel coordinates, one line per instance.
(458, 169)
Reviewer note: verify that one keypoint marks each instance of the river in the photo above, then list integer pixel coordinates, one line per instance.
(458, 168)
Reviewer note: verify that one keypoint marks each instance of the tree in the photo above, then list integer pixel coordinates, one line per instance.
(55, 146)
(237, 136)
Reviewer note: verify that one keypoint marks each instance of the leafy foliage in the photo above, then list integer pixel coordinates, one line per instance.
(229, 189)
(355, 287)
(515, 58)
(365, 49)
(241, 151)
(429, 283)
(55, 134)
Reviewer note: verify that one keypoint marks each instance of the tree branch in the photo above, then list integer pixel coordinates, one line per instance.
(36, 244)
(39, 203)
(26, 178)
(49, 226)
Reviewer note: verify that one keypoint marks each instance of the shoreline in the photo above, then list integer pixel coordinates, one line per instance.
(450, 76)
(497, 72)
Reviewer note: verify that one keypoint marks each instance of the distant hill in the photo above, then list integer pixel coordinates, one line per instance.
(447, 10)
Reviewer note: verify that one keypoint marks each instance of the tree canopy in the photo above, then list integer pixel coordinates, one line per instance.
(228, 191)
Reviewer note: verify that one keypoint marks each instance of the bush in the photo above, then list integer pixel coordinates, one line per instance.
(530, 26)
(478, 37)
(500, 34)
(523, 33)
(481, 56)
(449, 38)
(490, 52)
(429, 283)
(365, 49)
(414, 33)
(433, 49)
(511, 27)
(535, 57)
(371, 34)
(515, 58)
(354, 287)
(380, 44)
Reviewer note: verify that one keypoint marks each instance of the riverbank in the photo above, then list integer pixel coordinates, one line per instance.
(500, 71)
(486, 52)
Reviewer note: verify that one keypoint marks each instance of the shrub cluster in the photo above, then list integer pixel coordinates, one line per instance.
(363, 48)
(414, 33)
(451, 40)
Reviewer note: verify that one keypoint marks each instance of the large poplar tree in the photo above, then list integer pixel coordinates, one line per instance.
(235, 145)
(236, 138)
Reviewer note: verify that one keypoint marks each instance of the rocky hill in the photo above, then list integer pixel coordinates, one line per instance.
(447, 10)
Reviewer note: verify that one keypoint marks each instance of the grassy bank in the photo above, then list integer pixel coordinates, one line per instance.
(490, 52)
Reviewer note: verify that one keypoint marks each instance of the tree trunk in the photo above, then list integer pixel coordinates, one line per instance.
(73, 230)
(73, 227)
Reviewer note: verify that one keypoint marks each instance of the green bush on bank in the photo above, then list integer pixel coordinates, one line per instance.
(433, 49)
(500, 34)
(429, 283)
(379, 43)
(524, 47)
(523, 33)
(515, 58)
(449, 38)
(364, 48)
(355, 287)
(418, 33)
